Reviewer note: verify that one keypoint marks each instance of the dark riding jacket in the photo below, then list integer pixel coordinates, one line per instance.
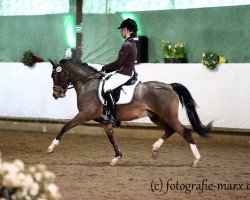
(126, 59)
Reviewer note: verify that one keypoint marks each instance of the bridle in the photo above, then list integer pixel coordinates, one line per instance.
(64, 82)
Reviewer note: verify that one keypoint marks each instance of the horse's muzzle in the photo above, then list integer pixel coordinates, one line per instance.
(55, 96)
(58, 92)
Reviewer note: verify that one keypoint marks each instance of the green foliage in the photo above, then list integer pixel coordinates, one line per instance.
(28, 59)
(175, 51)
(210, 60)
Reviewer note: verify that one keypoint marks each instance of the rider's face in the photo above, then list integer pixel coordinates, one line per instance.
(123, 32)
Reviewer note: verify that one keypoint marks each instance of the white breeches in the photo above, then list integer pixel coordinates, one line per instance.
(115, 81)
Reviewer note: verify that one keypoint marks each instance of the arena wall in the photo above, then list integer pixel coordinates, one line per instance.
(222, 95)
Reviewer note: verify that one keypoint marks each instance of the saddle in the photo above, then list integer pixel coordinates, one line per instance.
(122, 94)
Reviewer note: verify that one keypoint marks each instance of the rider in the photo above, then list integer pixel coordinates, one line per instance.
(124, 67)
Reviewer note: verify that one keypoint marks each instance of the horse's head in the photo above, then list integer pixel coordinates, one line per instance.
(61, 80)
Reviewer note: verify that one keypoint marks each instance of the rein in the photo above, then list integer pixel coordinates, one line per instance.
(97, 72)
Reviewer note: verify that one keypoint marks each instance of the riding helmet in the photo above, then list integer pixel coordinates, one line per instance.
(130, 24)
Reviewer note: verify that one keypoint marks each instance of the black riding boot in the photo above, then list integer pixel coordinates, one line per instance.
(109, 114)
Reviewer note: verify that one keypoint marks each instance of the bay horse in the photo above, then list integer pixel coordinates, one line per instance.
(156, 100)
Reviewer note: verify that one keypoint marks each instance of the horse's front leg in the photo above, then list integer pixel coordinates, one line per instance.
(118, 154)
(77, 120)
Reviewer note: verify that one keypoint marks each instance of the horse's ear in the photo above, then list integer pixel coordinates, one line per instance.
(53, 63)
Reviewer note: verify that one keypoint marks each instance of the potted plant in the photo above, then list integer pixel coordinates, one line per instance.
(211, 60)
(29, 59)
(174, 53)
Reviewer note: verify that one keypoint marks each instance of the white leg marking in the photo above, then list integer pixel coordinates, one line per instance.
(157, 144)
(114, 160)
(195, 151)
(196, 154)
(51, 148)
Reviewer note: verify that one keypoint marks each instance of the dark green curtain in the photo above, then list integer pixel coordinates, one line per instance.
(223, 30)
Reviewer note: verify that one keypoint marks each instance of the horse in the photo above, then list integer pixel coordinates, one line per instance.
(157, 100)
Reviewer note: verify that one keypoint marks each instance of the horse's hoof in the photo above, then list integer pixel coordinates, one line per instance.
(195, 161)
(50, 151)
(155, 154)
(114, 161)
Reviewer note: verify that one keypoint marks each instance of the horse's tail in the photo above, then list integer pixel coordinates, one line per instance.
(188, 102)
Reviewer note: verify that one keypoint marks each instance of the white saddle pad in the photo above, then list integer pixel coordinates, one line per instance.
(127, 93)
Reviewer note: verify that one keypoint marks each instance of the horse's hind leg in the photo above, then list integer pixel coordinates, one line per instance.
(186, 134)
(118, 154)
(160, 141)
(168, 132)
(188, 137)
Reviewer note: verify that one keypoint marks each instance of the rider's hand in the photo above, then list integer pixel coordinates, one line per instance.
(106, 70)
(103, 71)
(103, 68)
